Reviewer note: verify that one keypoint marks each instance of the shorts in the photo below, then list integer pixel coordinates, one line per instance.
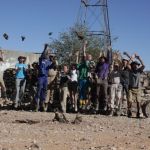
(73, 86)
(134, 95)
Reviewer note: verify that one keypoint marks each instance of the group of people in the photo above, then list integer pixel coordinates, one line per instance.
(96, 87)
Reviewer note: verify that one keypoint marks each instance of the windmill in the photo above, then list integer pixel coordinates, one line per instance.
(94, 15)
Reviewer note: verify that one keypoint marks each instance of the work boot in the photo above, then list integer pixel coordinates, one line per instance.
(129, 113)
(111, 112)
(139, 115)
(5, 95)
(105, 108)
(116, 112)
(86, 102)
(81, 104)
(76, 108)
(16, 105)
(44, 106)
(37, 107)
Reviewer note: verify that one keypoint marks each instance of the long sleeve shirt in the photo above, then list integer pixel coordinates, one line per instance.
(44, 66)
(102, 70)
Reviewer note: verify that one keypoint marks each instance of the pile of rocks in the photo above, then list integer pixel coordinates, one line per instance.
(10, 83)
(145, 84)
(145, 93)
(9, 80)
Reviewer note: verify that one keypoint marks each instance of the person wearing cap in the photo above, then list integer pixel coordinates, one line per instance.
(135, 70)
(115, 90)
(21, 68)
(102, 70)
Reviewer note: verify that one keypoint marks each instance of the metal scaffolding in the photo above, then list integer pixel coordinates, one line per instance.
(94, 15)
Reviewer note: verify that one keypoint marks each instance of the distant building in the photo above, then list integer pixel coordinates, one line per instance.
(9, 58)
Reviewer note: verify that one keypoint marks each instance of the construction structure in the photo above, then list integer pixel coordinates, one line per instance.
(93, 14)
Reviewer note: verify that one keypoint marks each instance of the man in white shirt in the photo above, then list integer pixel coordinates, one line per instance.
(115, 90)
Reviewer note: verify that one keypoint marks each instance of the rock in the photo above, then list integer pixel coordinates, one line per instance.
(92, 148)
(142, 94)
(34, 146)
(147, 95)
(146, 108)
(147, 91)
(83, 139)
(9, 79)
(146, 82)
(148, 87)
(27, 121)
(113, 148)
(78, 119)
(60, 117)
(142, 147)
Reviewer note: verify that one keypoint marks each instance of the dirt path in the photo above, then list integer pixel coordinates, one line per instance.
(36, 131)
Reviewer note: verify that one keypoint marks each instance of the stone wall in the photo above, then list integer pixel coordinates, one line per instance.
(11, 58)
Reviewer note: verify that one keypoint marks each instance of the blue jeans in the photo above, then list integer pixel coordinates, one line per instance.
(83, 84)
(41, 89)
(20, 88)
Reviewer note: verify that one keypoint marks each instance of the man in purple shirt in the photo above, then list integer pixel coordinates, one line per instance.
(102, 70)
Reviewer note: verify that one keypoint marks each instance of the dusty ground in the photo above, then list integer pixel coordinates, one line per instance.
(36, 131)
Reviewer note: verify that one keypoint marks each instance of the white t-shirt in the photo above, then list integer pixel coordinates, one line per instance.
(74, 76)
(115, 77)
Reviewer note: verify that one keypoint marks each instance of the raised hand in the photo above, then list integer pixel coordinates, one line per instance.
(137, 56)
(133, 56)
(125, 53)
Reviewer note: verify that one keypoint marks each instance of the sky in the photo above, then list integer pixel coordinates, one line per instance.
(129, 21)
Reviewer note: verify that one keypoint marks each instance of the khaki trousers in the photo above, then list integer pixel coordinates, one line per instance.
(63, 98)
(134, 96)
(50, 89)
(115, 95)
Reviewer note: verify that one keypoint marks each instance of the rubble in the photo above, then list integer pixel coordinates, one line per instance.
(60, 117)
(48, 135)
(27, 121)
(145, 93)
(9, 79)
(78, 119)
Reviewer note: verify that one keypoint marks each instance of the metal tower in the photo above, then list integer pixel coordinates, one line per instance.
(94, 15)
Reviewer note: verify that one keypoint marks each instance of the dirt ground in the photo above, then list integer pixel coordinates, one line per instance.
(22, 130)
